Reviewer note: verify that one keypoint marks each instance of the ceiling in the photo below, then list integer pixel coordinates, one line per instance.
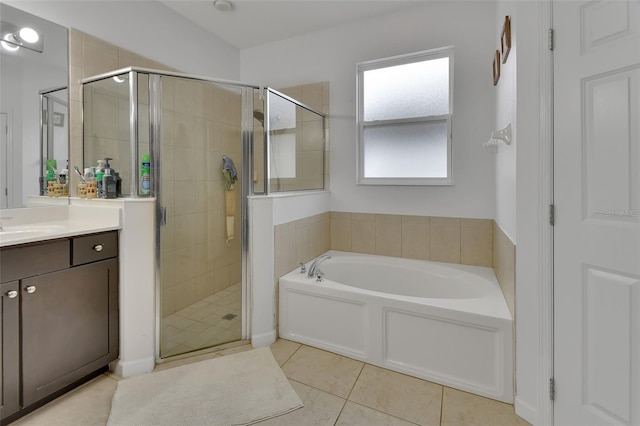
(254, 22)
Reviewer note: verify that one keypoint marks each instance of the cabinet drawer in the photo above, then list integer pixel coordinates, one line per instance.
(29, 260)
(91, 248)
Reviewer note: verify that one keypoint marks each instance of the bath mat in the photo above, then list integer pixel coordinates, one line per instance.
(238, 389)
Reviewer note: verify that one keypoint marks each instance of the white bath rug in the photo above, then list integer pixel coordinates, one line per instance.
(238, 389)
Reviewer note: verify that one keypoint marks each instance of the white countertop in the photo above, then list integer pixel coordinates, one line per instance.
(32, 224)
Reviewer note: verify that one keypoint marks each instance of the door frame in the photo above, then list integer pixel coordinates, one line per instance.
(545, 228)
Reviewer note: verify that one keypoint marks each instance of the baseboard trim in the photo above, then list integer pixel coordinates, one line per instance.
(133, 368)
(263, 339)
(526, 411)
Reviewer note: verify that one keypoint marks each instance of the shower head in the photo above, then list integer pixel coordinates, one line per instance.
(258, 115)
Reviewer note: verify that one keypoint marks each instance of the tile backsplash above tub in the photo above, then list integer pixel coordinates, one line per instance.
(440, 239)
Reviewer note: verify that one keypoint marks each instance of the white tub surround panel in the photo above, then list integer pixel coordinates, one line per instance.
(445, 323)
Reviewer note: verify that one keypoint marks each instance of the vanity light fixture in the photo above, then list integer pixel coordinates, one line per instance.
(14, 37)
(223, 5)
(9, 43)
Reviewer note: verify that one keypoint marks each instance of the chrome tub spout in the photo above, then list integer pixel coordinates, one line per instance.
(313, 269)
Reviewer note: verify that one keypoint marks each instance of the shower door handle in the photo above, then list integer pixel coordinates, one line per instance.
(163, 216)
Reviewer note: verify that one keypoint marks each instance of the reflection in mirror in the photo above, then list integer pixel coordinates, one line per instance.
(54, 138)
(29, 70)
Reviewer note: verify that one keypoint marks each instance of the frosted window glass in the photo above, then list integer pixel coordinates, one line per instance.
(414, 150)
(283, 155)
(418, 89)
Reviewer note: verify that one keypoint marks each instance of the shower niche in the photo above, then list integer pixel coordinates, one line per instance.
(205, 140)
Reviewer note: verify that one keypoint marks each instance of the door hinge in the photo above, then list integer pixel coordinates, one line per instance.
(552, 389)
(550, 39)
(552, 214)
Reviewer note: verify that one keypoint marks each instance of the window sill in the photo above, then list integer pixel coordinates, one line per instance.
(406, 181)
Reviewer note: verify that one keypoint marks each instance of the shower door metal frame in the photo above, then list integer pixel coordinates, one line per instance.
(155, 142)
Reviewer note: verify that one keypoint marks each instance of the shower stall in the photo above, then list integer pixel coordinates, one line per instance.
(204, 141)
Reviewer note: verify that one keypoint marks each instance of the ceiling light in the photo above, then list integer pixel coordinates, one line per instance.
(223, 5)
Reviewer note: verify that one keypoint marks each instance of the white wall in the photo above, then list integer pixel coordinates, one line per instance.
(147, 28)
(520, 209)
(332, 56)
(506, 100)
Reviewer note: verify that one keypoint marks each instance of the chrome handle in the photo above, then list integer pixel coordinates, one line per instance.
(319, 278)
(12, 294)
(30, 289)
(98, 247)
(303, 268)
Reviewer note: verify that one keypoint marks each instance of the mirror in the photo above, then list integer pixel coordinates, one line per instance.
(34, 119)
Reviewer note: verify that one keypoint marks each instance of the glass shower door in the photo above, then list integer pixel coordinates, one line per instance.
(201, 243)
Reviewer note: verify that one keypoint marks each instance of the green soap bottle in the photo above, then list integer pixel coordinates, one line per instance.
(145, 175)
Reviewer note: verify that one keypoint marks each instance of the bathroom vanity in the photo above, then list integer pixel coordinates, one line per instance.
(59, 314)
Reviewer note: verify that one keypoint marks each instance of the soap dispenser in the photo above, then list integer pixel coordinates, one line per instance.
(109, 184)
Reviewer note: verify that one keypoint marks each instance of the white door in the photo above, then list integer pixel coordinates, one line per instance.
(597, 222)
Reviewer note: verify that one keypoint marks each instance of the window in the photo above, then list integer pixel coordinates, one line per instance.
(404, 119)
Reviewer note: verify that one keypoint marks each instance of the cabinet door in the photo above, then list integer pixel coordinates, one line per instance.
(69, 326)
(9, 348)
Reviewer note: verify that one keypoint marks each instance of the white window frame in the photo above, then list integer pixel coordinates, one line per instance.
(444, 52)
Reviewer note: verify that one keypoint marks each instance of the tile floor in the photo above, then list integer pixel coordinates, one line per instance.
(209, 322)
(335, 391)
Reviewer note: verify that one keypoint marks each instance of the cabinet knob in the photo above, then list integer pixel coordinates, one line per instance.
(31, 289)
(12, 294)
(98, 247)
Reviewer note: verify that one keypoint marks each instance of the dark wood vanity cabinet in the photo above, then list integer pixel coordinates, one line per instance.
(60, 320)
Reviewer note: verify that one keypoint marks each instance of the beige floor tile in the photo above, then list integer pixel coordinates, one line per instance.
(88, 405)
(358, 415)
(320, 408)
(323, 370)
(283, 349)
(399, 395)
(465, 409)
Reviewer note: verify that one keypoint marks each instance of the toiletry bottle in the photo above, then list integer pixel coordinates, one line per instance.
(118, 179)
(109, 184)
(64, 181)
(99, 173)
(145, 175)
(92, 185)
(100, 187)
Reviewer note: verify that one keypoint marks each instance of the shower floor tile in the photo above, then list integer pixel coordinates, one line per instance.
(212, 321)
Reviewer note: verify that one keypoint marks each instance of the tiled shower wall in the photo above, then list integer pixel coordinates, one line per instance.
(201, 123)
(195, 262)
(478, 242)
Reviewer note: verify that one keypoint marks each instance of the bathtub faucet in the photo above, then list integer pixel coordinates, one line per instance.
(313, 269)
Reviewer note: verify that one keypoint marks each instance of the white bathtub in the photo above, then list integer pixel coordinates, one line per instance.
(442, 322)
